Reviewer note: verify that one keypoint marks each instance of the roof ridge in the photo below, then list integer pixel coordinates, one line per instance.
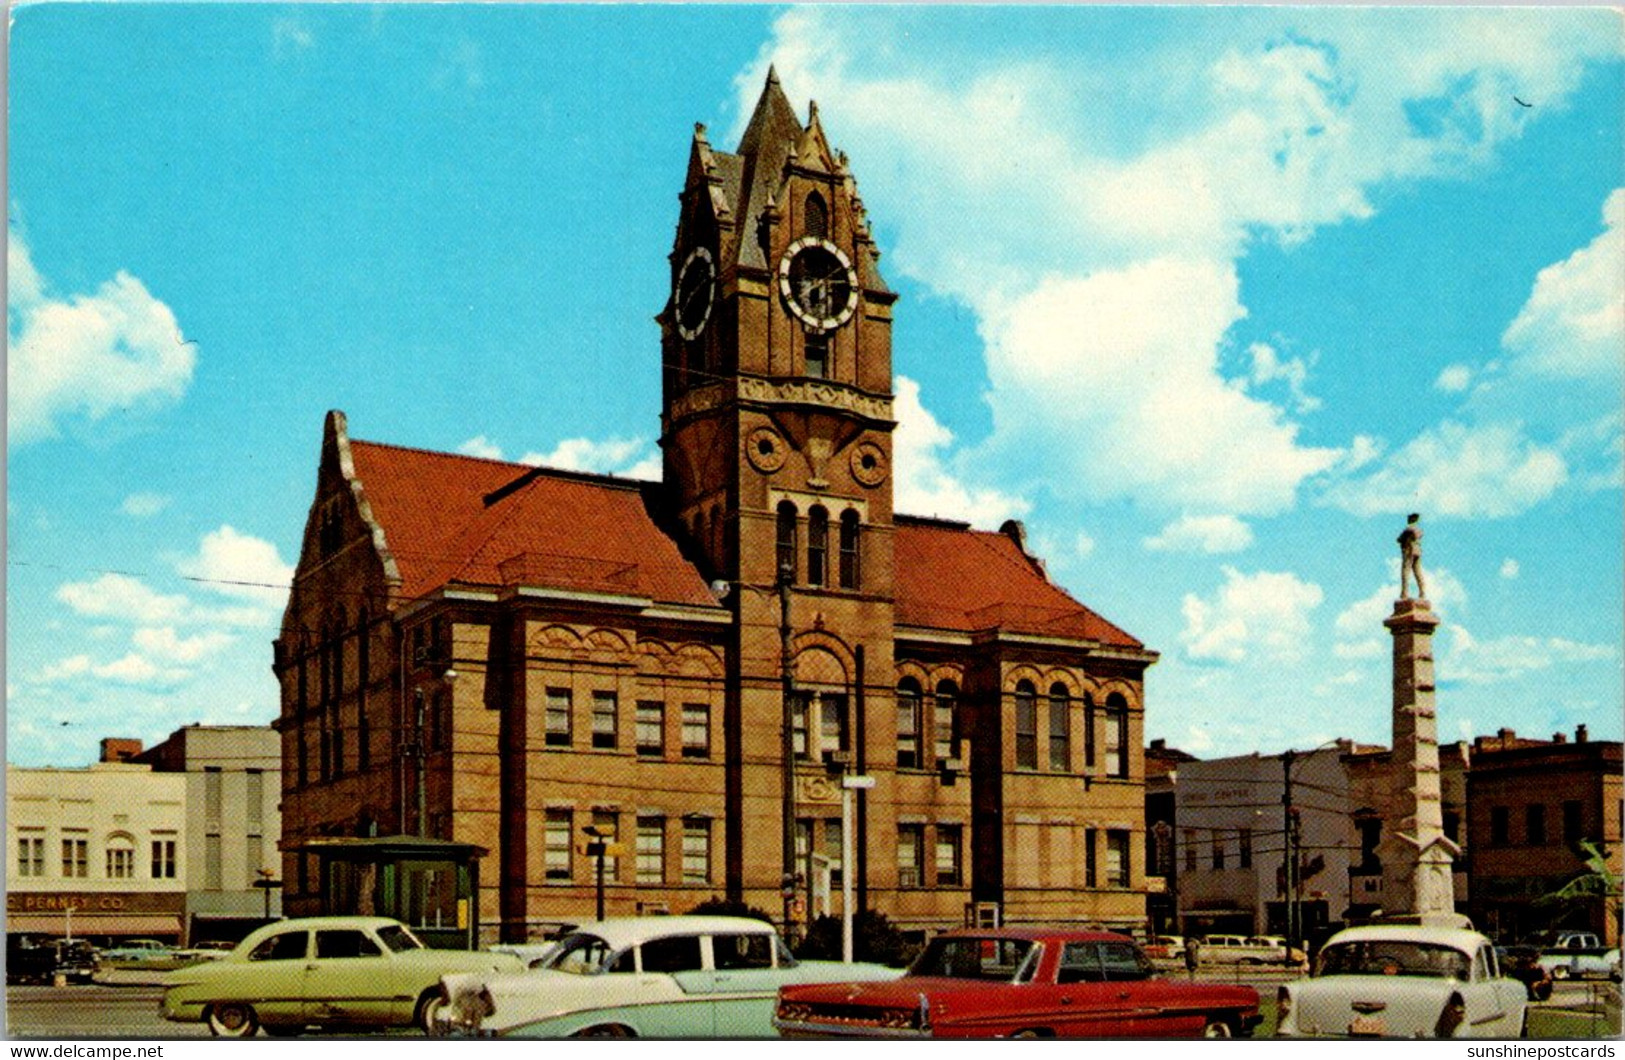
(535, 470)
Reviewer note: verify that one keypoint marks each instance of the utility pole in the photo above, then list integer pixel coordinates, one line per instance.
(1289, 831)
(787, 751)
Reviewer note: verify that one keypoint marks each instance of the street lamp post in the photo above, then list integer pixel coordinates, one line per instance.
(849, 784)
(598, 847)
(787, 810)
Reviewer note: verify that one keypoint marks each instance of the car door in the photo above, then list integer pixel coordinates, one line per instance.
(1083, 1001)
(745, 983)
(670, 996)
(272, 977)
(350, 979)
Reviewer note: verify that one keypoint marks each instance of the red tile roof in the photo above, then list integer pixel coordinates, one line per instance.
(952, 577)
(451, 518)
(555, 528)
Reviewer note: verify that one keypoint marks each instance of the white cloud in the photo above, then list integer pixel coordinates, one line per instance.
(1490, 471)
(73, 666)
(1454, 378)
(1507, 658)
(132, 669)
(1509, 568)
(290, 35)
(239, 565)
(162, 642)
(1083, 546)
(1268, 367)
(1197, 740)
(144, 505)
(1202, 533)
(922, 481)
(120, 596)
(88, 355)
(1263, 615)
(1573, 326)
(613, 456)
(1359, 628)
(479, 445)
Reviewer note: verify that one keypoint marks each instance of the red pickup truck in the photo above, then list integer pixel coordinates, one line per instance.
(1021, 982)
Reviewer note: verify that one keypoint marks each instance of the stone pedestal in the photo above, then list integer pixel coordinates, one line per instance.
(1416, 856)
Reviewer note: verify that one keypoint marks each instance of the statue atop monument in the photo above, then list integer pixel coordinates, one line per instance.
(1410, 558)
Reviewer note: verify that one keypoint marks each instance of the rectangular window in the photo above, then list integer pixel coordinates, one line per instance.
(798, 724)
(849, 549)
(651, 725)
(558, 717)
(1026, 732)
(804, 840)
(255, 797)
(1571, 821)
(833, 849)
(950, 840)
(910, 854)
(120, 863)
(211, 862)
(163, 859)
(1060, 742)
(1244, 852)
(1117, 870)
(1091, 861)
(817, 347)
(1218, 851)
(255, 858)
(557, 844)
(817, 546)
(1534, 824)
(608, 824)
(1500, 833)
(696, 730)
(1190, 850)
(603, 719)
(1117, 743)
(651, 850)
(942, 724)
(212, 784)
(697, 851)
(1088, 733)
(832, 727)
(31, 855)
(908, 728)
(75, 856)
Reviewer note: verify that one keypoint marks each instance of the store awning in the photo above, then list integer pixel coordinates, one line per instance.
(94, 924)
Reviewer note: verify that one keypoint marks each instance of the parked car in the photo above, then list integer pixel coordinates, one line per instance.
(1404, 981)
(1165, 947)
(337, 972)
(1247, 949)
(645, 977)
(1523, 964)
(1021, 982)
(35, 960)
(148, 955)
(1577, 955)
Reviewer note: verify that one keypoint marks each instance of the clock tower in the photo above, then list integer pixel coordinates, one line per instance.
(776, 430)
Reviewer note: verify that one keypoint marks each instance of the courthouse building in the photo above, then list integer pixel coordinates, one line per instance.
(505, 656)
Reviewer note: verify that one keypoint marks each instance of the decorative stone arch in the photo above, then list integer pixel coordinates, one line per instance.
(818, 658)
(952, 673)
(1023, 672)
(697, 660)
(910, 668)
(603, 645)
(1131, 698)
(554, 640)
(1061, 675)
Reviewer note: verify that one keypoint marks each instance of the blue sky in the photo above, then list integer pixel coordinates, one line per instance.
(1209, 297)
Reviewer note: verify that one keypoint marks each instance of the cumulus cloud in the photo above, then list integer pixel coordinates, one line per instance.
(1453, 379)
(923, 483)
(120, 596)
(613, 456)
(1358, 627)
(480, 446)
(87, 355)
(1509, 568)
(1264, 615)
(1268, 366)
(239, 565)
(1489, 471)
(1573, 325)
(1202, 533)
(132, 669)
(162, 642)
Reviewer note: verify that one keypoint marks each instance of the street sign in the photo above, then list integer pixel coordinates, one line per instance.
(857, 780)
(610, 850)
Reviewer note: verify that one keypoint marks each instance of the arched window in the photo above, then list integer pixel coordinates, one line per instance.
(817, 544)
(945, 723)
(1088, 731)
(908, 724)
(1117, 749)
(120, 847)
(1060, 741)
(816, 216)
(363, 733)
(787, 540)
(1026, 726)
(849, 549)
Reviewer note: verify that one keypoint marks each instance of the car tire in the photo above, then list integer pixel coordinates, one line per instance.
(1560, 971)
(428, 1005)
(605, 1030)
(1218, 1028)
(232, 1019)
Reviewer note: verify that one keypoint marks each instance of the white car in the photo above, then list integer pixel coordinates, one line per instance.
(1404, 981)
(647, 977)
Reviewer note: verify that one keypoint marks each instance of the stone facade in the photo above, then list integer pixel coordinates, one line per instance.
(504, 655)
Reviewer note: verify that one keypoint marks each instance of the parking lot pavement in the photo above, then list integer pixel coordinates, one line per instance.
(91, 1011)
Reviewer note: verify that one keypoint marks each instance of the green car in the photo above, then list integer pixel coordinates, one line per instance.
(341, 972)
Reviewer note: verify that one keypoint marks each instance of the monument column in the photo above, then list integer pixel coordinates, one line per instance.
(1416, 855)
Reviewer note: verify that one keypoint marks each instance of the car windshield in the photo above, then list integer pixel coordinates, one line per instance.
(398, 939)
(582, 954)
(1386, 957)
(992, 959)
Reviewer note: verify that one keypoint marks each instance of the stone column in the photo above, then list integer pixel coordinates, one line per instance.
(1416, 856)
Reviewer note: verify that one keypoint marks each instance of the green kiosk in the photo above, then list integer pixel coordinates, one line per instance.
(430, 885)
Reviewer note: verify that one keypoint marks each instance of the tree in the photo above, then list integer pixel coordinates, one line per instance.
(715, 906)
(873, 939)
(1597, 883)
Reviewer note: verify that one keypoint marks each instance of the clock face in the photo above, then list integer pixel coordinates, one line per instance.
(818, 283)
(696, 283)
